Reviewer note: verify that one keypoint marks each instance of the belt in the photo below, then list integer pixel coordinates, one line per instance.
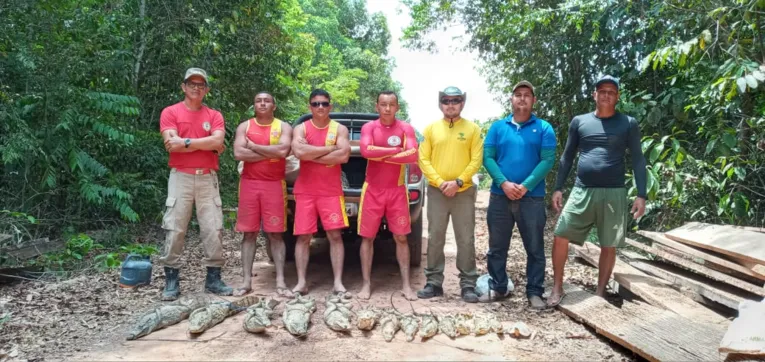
(195, 171)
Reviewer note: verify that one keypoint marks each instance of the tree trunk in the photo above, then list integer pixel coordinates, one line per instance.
(141, 46)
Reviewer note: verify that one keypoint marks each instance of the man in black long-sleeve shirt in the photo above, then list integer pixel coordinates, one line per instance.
(599, 197)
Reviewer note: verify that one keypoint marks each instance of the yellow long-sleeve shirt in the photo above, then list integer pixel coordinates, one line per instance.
(450, 153)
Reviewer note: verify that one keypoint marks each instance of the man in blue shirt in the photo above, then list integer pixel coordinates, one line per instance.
(519, 151)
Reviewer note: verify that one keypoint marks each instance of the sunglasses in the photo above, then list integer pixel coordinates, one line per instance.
(451, 101)
(195, 85)
(317, 104)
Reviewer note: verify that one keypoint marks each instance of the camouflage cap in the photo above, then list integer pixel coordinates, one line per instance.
(196, 71)
(527, 84)
(452, 91)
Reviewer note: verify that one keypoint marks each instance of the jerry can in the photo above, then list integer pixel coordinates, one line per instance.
(136, 270)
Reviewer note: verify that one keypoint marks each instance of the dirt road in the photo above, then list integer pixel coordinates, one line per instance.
(555, 335)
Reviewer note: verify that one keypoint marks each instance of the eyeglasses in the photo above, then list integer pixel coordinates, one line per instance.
(317, 104)
(451, 101)
(194, 85)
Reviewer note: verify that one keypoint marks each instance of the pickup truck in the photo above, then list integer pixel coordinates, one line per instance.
(354, 172)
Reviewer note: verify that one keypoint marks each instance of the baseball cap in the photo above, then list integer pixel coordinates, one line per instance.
(525, 83)
(607, 79)
(452, 91)
(195, 71)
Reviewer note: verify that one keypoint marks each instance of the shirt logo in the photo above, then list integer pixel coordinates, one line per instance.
(330, 136)
(206, 126)
(401, 220)
(274, 220)
(334, 217)
(461, 136)
(276, 134)
(394, 141)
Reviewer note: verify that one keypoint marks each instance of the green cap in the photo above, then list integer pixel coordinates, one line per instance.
(452, 91)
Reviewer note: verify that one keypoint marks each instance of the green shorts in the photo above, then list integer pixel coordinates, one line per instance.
(604, 208)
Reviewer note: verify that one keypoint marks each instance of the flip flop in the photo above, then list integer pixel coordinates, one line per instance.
(285, 292)
(342, 295)
(246, 291)
(553, 305)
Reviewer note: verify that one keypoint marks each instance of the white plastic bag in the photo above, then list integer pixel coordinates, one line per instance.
(482, 285)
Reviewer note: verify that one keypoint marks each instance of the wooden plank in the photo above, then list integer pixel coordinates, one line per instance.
(747, 332)
(699, 288)
(699, 256)
(38, 247)
(653, 290)
(752, 228)
(654, 334)
(740, 244)
(712, 274)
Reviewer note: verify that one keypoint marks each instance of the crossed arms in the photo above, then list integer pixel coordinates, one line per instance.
(327, 155)
(394, 155)
(245, 150)
(174, 143)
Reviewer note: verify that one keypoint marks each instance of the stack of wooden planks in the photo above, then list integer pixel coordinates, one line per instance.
(719, 266)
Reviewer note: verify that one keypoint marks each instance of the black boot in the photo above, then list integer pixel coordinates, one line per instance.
(430, 291)
(172, 285)
(214, 285)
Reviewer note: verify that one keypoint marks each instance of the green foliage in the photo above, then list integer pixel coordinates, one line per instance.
(82, 86)
(140, 249)
(113, 260)
(691, 72)
(73, 256)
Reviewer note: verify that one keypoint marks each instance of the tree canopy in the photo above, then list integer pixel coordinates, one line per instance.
(82, 84)
(692, 73)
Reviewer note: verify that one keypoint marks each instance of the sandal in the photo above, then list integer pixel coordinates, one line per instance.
(555, 304)
(285, 292)
(238, 292)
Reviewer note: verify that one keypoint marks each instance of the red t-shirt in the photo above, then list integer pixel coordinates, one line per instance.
(389, 171)
(266, 170)
(192, 124)
(314, 178)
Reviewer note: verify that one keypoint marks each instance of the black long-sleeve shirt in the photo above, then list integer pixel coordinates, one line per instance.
(602, 143)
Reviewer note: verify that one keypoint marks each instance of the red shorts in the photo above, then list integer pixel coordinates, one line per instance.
(262, 202)
(331, 210)
(376, 202)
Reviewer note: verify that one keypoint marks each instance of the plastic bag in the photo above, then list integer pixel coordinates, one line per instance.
(482, 285)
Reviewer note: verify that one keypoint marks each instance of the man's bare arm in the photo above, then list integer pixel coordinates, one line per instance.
(343, 151)
(280, 150)
(304, 151)
(241, 152)
(174, 143)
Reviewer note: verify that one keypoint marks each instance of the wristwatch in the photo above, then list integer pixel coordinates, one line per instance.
(459, 182)
(187, 142)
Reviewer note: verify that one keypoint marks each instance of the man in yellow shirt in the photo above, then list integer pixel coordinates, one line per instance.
(450, 155)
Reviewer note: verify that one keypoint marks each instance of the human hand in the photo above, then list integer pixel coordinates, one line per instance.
(513, 191)
(450, 188)
(557, 201)
(638, 208)
(175, 144)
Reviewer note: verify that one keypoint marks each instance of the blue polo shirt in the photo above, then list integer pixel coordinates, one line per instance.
(519, 149)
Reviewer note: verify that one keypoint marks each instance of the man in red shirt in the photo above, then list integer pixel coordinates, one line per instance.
(262, 143)
(193, 135)
(389, 144)
(321, 145)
